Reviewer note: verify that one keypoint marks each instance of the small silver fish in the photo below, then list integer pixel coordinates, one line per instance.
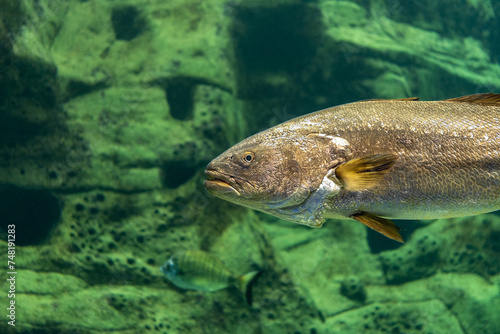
(198, 270)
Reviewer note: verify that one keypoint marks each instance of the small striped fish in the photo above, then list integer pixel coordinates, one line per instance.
(198, 270)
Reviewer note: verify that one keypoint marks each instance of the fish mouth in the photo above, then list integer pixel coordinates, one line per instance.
(219, 183)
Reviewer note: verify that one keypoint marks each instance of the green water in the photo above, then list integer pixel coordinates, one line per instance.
(110, 111)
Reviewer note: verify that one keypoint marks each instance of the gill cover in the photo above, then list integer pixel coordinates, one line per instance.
(317, 155)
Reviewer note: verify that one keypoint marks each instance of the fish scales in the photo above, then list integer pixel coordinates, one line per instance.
(202, 264)
(371, 161)
(446, 156)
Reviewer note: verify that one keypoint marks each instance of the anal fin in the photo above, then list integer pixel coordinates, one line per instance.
(379, 224)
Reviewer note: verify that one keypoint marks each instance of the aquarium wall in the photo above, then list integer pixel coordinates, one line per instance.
(111, 110)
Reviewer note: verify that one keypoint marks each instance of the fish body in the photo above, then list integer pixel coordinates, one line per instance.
(198, 270)
(371, 161)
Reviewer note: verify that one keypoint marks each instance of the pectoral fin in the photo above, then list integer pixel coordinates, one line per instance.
(364, 173)
(379, 224)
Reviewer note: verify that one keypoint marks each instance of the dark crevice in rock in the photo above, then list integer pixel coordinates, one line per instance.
(28, 101)
(33, 212)
(285, 63)
(379, 243)
(17, 130)
(273, 41)
(175, 173)
(75, 88)
(26, 83)
(179, 93)
(128, 22)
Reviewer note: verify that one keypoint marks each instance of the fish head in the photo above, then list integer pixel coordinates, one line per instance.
(270, 171)
(170, 269)
(251, 173)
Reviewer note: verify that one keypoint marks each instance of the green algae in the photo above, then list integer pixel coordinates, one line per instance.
(121, 105)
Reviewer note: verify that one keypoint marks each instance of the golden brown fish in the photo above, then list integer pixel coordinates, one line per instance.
(371, 161)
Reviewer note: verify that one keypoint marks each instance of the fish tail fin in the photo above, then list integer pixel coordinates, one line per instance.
(244, 284)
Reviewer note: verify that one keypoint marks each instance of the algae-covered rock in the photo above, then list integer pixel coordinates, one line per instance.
(123, 309)
(109, 112)
(413, 317)
(404, 56)
(467, 244)
(353, 288)
(471, 300)
(320, 261)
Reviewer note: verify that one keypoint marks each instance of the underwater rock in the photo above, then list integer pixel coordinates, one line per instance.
(35, 213)
(128, 22)
(360, 48)
(416, 260)
(353, 288)
(465, 17)
(108, 126)
(100, 309)
(468, 244)
(241, 244)
(391, 51)
(410, 317)
(478, 305)
(471, 300)
(320, 260)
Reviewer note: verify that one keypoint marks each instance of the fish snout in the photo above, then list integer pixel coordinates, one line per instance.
(218, 183)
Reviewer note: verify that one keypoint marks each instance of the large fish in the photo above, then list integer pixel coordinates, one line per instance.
(371, 161)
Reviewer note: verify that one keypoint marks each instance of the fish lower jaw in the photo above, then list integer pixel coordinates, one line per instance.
(216, 184)
(219, 187)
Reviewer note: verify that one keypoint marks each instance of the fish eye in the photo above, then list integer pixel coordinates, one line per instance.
(248, 157)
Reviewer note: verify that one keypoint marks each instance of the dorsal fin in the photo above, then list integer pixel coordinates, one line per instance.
(487, 99)
(392, 100)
